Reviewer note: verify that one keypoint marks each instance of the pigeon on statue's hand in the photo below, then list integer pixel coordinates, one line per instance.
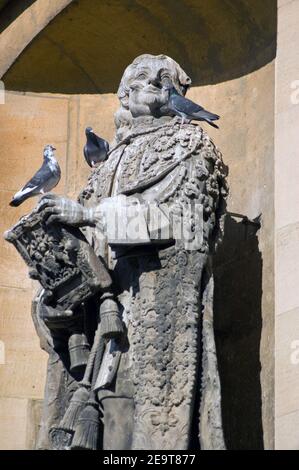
(96, 149)
(187, 109)
(44, 180)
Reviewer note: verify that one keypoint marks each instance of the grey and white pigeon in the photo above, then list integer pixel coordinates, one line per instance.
(187, 109)
(96, 149)
(45, 179)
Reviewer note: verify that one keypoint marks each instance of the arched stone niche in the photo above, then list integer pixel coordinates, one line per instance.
(89, 43)
(62, 71)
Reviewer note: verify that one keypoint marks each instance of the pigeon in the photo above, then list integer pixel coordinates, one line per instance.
(95, 149)
(45, 179)
(188, 110)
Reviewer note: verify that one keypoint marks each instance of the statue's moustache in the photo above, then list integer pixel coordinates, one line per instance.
(146, 88)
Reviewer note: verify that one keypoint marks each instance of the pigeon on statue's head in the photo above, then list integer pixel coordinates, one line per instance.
(187, 109)
(96, 149)
(44, 180)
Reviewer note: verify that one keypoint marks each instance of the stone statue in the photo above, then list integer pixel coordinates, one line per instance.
(126, 309)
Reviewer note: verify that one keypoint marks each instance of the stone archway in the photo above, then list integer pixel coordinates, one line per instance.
(16, 37)
(89, 43)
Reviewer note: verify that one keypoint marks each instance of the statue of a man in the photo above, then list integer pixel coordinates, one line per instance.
(153, 212)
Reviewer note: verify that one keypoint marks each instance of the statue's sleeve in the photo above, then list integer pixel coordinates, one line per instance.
(130, 220)
(149, 216)
(182, 202)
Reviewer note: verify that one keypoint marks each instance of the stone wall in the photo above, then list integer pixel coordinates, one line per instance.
(244, 266)
(287, 228)
(27, 123)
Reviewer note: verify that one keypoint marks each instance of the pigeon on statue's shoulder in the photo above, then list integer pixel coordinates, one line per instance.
(96, 149)
(187, 109)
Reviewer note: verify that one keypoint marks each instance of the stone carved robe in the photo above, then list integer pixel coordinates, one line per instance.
(166, 392)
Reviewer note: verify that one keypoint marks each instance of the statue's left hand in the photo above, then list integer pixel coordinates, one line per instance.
(54, 208)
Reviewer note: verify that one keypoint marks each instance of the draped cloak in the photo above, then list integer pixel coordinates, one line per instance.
(166, 369)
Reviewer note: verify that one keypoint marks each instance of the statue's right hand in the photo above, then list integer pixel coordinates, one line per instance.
(54, 208)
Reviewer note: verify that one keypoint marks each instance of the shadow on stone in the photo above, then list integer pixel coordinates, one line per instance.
(79, 52)
(11, 9)
(238, 325)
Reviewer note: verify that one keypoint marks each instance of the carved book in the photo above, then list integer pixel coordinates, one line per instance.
(61, 259)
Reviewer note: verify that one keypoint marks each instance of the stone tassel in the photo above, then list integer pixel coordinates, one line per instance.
(87, 432)
(111, 323)
(77, 403)
(63, 433)
(89, 422)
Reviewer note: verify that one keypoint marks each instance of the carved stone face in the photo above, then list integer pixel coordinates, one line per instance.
(146, 96)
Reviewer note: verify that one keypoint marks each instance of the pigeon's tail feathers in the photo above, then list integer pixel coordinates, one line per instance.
(212, 124)
(15, 202)
(22, 195)
(207, 116)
